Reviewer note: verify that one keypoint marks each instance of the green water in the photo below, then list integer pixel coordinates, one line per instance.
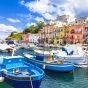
(79, 79)
(4, 85)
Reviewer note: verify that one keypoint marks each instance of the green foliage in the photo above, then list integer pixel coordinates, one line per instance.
(34, 29)
(8, 38)
(14, 35)
(31, 29)
(40, 25)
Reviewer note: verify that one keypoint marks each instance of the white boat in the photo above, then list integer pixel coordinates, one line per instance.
(74, 54)
(5, 48)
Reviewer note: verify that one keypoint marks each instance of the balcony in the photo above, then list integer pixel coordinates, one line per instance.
(72, 31)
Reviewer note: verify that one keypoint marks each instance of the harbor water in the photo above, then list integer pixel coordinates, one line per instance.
(77, 79)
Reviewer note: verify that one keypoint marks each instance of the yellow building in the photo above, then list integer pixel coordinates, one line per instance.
(61, 34)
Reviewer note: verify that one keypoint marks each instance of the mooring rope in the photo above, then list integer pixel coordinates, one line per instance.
(31, 82)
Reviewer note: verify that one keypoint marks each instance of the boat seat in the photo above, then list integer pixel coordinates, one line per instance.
(16, 65)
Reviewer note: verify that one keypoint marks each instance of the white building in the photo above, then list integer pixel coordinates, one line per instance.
(34, 38)
(63, 19)
(82, 20)
(60, 21)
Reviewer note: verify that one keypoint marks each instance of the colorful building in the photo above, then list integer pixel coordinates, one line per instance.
(30, 38)
(81, 20)
(34, 38)
(61, 34)
(75, 33)
(25, 38)
(47, 33)
(85, 35)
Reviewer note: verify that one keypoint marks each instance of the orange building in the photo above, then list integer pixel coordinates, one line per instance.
(75, 33)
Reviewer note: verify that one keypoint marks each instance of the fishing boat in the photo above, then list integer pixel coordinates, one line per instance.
(47, 62)
(20, 74)
(5, 48)
(73, 54)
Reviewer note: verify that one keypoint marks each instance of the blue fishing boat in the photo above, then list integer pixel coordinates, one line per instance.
(20, 74)
(47, 62)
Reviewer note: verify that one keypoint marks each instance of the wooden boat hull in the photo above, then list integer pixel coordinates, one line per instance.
(20, 74)
(50, 66)
(23, 83)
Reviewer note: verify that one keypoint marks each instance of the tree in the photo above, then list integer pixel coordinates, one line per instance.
(33, 28)
(30, 29)
(14, 36)
(40, 24)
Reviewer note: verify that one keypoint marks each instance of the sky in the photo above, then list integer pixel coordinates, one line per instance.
(15, 15)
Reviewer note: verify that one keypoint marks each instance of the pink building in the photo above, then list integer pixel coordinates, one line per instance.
(75, 34)
(85, 36)
(25, 38)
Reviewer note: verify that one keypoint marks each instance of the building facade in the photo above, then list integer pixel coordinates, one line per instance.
(47, 33)
(81, 20)
(75, 34)
(63, 18)
(85, 35)
(34, 38)
(25, 38)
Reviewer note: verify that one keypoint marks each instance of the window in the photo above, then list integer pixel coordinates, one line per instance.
(78, 36)
(72, 37)
(72, 31)
(78, 30)
(86, 29)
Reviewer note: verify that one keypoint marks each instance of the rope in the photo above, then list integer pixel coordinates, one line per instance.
(31, 82)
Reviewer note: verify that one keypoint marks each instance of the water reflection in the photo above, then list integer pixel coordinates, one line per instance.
(60, 75)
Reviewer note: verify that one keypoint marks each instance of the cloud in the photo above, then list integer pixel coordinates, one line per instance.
(49, 16)
(50, 9)
(39, 19)
(3, 35)
(13, 20)
(42, 7)
(29, 24)
(25, 16)
(22, 2)
(5, 30)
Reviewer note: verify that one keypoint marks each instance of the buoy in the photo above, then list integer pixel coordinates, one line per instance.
(1, 79)
(44, 66)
